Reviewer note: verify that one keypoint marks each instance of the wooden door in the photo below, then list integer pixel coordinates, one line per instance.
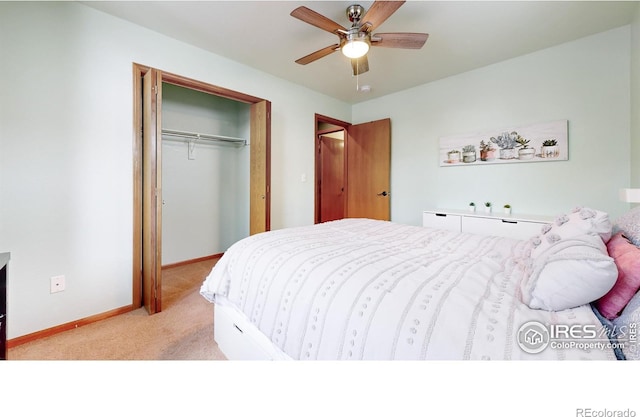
(368, 152)
(151, 193)
(331, 178)
(260, 198)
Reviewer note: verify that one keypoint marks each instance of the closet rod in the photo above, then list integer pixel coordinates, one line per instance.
(204, 136)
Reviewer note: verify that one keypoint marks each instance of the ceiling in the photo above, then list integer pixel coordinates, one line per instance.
(463, 35)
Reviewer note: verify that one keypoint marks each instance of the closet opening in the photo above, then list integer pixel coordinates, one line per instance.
(201, 174)
(205, 174)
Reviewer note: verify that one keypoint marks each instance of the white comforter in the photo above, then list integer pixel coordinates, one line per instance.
(367, 289)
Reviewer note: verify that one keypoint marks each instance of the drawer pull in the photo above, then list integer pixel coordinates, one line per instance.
(239, 329)
(509, 221)
(441, 215)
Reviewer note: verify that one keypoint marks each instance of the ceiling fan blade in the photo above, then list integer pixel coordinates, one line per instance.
(360, 65)
(378, 13)
(399, 40)
(316, 19)
(318, 54)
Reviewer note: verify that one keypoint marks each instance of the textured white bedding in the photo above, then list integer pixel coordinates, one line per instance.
(368, 289)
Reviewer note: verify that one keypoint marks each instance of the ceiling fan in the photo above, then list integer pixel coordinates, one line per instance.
(355, 41)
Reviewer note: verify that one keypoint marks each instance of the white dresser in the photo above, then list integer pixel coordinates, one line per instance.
(516, 226)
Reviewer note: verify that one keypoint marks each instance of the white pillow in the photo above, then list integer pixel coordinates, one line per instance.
(629, 225)
(569, 273)
(581, 221)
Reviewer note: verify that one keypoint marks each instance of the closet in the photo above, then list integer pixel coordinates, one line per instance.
(212, 205)
(205, 173)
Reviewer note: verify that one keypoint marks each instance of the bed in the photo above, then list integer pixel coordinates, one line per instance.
(362, 289)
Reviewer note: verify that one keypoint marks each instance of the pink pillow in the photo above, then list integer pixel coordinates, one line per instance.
(627, 259)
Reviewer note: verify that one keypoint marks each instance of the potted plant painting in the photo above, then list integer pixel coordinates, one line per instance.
(524, 150)
(472, 206)
(469, 154)
(507, 144)
(507, 209)
(454, 156)
(487, 151)
(487, 207)
(549, 149)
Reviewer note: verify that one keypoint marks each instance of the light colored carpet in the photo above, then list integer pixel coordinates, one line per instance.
(183, 330)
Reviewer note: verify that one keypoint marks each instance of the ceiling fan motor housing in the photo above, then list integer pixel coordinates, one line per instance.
(355, 13)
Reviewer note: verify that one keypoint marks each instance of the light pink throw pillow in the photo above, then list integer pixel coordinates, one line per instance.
(627, 259)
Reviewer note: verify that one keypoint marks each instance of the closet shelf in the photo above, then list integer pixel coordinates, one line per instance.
(192, 136)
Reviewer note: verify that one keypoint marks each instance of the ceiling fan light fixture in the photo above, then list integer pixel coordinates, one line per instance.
(356, 46)
(356, 41)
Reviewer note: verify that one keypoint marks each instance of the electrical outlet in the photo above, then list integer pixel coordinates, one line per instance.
(57, 284)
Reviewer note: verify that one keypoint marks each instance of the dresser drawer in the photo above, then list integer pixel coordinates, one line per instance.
(442, 221)
(515, 229)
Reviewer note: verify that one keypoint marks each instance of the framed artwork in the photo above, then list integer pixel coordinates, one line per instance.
(541, 142)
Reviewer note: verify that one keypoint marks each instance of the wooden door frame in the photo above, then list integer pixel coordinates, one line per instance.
(138, 72)
(318, 132)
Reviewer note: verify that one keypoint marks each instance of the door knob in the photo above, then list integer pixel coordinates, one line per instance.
(384, 193)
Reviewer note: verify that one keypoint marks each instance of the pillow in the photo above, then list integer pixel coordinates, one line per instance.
(627, 259)
(626, 328)
(581, 221)
(569, 273)
(611, 331)
(629, 224)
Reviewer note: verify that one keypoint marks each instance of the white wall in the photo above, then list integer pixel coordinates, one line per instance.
(205, 193)
(635, 99)
(586, 81)
(66, 173)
